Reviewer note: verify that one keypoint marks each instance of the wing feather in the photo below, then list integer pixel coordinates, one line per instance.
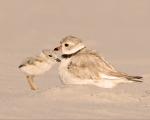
(89, 66)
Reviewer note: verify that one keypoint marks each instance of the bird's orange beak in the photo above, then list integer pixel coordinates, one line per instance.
(57, 48)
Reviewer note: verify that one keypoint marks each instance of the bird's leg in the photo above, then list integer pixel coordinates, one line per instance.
(31, 82)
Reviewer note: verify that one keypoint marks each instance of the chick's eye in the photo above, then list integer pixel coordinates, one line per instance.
(66, 45)
(50, 55)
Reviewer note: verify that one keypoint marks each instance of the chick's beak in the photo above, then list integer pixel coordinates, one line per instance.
(58, 60)
(57, 48)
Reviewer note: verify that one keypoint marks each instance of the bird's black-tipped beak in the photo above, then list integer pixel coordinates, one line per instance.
(58, 60)
(57, 48)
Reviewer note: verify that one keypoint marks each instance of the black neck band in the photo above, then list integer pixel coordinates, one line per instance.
(70, 55)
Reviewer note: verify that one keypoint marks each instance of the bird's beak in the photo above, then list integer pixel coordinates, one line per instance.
(57, 48)
(58, 60)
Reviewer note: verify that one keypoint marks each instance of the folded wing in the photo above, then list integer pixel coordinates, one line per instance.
(91, 65)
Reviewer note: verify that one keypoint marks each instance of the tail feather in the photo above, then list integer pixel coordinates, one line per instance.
(128, 77)
(134, 78)
(20, 66)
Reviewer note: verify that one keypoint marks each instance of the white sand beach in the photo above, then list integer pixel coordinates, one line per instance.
(117, 29)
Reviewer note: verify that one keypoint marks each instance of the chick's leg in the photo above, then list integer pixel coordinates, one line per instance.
(31, 83)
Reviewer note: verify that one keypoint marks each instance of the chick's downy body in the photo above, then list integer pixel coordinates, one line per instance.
(33, 66)
(37, 65)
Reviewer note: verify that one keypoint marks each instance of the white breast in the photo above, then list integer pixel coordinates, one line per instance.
(63, 70)
(67, 77)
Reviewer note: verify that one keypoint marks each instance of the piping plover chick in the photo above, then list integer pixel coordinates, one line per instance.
(80, 65)
(33, 66)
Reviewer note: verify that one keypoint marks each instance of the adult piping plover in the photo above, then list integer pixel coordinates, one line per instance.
(80, 65)
(37, 65)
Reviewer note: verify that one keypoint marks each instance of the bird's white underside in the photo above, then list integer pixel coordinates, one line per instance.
(105, 81)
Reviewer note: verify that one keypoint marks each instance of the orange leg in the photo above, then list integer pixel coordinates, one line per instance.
(31, 82)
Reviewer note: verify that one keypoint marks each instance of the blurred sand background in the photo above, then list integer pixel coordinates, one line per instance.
(118, 29)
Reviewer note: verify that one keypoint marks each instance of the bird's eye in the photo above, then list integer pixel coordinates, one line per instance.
(50, 55)
(66, 45)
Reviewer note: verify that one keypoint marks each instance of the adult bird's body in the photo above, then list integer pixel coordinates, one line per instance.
(80, 65)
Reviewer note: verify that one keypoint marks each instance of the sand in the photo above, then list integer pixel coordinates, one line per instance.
(117, 29)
